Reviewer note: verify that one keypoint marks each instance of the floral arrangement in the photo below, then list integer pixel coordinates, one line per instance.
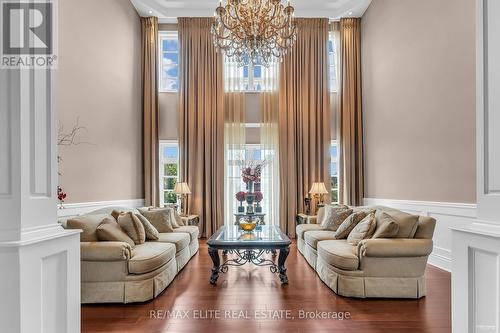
(251, 170)
(258, 196)
(240, 196)
(61, 195)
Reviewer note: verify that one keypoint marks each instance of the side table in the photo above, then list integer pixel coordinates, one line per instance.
(191, 219)
(302, 218)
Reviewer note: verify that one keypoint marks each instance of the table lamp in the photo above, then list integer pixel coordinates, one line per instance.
(182, 190)
(318, 190)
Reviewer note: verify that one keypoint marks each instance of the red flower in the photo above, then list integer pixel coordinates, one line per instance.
(258, 196)
(60, 194)
(240, 196)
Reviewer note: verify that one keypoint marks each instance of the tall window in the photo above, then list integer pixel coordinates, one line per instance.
(256, 153)
(169, 171)
(169, 61)
(251, 77)
(334, 171)
(332, 62)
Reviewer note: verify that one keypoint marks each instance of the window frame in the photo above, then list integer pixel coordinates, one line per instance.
(249, 82)
(334, 159)
(165, 35)
(162, 162)
(334, 65)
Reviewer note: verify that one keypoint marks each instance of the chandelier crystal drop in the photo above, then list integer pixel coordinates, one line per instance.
(259, 32)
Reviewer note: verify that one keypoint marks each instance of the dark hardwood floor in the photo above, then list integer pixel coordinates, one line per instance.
(251, 289)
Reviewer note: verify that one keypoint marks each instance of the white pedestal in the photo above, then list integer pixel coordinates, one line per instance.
(40, 283)
(475, 281)
(476, 251)
(39, 260)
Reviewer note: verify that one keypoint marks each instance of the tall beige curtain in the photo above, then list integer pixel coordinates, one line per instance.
(150, 109)
(304, 118)
(269, 141)
(351, 121)
(201, 122)
(234, 135)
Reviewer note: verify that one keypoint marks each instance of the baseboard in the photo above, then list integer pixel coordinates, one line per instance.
(440, 261)
(447, 214)
(72, 209)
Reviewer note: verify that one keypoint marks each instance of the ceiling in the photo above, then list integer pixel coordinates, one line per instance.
(168, 10)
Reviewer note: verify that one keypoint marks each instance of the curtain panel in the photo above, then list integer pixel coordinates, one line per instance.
(234, 135)
(201, 122)
(351, 182)
(150, 109)
(304, 118)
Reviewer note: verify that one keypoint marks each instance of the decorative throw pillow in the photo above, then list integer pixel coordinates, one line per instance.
(151, 232)
(132, 226)
(408, 223)
(159, 218)
(87, 223)
(363, 230)
(320, 215)
(387, 227)
(334, 216)
(176, 219)
(349, 223)
(110, 230)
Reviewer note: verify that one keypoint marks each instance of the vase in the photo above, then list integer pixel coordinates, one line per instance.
(250, 197)
(258, 208)
(241, 209)
(250, 186)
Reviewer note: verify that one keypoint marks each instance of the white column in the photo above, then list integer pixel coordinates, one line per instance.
(476, 250)
(39, 260)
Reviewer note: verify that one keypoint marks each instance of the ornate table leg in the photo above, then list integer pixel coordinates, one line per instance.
(214, 254)
(281, 264)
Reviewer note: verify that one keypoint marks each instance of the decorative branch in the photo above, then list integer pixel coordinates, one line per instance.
(69, 138)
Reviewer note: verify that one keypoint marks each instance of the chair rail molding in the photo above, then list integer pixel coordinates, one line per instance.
(447, 215)
(79, 208)
(40, 277)
(476, 249)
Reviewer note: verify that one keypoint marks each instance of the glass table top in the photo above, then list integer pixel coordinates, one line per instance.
(262, 235)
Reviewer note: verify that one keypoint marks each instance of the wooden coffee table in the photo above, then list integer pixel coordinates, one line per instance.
(249, 247)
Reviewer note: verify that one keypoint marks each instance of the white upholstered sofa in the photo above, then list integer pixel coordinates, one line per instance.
(382, 267)
(115, 272)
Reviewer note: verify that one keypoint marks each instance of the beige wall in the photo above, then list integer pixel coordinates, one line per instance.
(419, 100)
(99, 83)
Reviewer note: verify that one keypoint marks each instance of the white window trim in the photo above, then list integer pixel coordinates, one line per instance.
(162, 162)
(163, 35)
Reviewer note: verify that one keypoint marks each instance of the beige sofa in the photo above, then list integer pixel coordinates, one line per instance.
(391, 268)
(114, 272)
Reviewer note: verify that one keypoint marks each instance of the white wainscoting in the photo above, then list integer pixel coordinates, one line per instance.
(447, 215)
(72, 209)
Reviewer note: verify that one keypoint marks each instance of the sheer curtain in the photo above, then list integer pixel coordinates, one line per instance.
(269, 143)
(234, 136)
(335, 87)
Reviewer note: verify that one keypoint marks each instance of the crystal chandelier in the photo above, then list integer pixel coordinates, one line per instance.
(254, 31)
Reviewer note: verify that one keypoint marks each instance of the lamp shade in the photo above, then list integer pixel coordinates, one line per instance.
(182, 188)
(318, 188)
